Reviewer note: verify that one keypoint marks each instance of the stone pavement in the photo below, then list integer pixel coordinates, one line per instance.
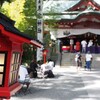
(68, 84)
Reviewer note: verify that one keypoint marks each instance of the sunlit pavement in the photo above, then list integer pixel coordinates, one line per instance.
(68, 84)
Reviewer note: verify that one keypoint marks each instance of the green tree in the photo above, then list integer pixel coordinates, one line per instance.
(31, 17)
(2, 1)
(31, 26)
(24, 14)
(14, 10)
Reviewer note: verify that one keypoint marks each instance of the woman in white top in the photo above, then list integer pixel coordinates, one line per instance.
(84, 44)
(90, 44)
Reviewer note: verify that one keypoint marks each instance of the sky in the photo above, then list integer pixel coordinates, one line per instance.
(61, 4)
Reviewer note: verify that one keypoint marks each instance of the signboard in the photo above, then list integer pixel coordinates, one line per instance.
(39, 27)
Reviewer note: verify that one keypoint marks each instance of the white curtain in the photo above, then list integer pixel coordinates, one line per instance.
(76, 32)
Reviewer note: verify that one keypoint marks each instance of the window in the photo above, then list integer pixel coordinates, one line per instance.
(2, 67)
(14, 67)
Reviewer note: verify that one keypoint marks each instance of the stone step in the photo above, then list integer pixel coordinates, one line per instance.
(68, 59)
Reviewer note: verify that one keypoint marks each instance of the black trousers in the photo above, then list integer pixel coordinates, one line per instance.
(49, 74)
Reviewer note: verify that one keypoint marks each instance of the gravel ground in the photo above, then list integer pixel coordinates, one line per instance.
(68, 84)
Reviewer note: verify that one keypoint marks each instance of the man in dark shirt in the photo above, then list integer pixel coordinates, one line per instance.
(33, 68)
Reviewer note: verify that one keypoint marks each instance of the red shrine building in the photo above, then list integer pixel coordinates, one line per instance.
(76, 20)
(11, 49)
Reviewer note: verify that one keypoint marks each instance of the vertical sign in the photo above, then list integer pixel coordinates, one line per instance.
(39, 27)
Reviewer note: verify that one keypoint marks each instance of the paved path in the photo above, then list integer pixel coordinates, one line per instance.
(68, 84)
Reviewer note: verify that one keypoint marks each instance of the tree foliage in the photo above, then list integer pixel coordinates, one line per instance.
(2, 1)
(14, 10)
(30, 13)
(23, 12)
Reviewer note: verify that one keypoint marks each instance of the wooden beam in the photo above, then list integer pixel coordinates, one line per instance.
(69, 13)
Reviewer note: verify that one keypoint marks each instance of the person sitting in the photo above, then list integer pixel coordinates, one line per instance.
(23, 76)
(44, 69)
(33, 68)
(50, 64)
(47, 68)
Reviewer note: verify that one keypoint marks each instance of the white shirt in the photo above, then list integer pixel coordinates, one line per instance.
(76, 57)
(51, 65)
(88, 57)
(90, 43)
(44, 67)
(47, 66)
(83, 43)
(71, 41)
(22, 72)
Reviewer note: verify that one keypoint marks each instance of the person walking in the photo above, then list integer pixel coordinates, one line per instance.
(84, 44)
(88, 59)
(78, 60)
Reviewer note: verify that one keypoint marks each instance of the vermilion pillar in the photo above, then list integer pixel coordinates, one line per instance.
(44, 56)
